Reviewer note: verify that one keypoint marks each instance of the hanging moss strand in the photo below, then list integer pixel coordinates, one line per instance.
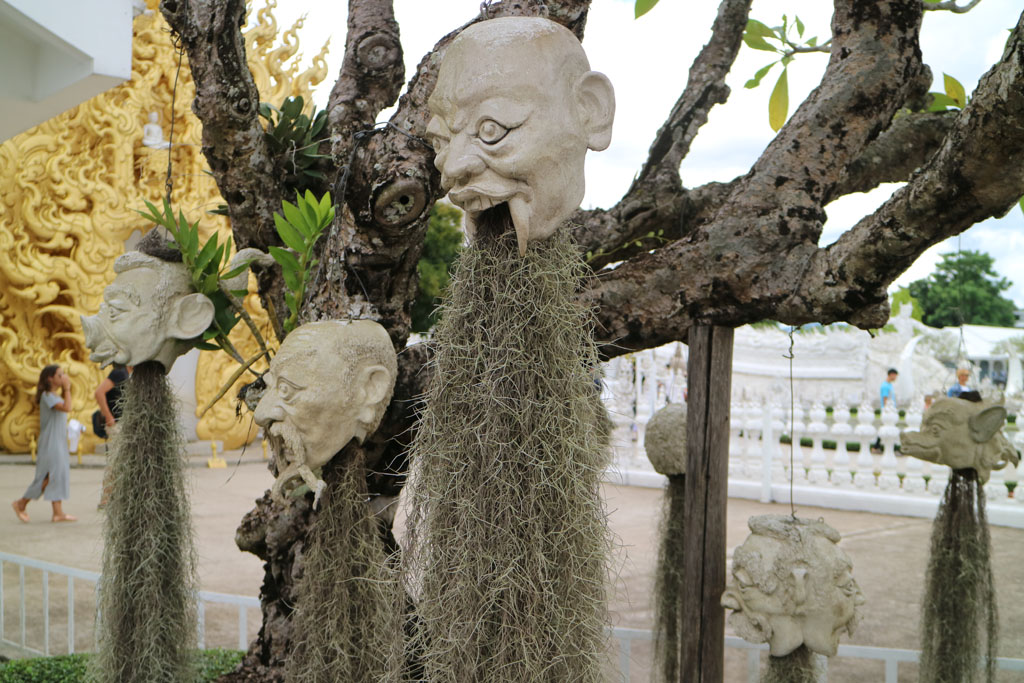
(959, 625)
(147, 593)
(508, 540)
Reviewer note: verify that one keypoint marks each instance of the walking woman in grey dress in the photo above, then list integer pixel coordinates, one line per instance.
(53, 462)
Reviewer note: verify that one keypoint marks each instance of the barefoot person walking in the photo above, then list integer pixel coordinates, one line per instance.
(53, 461)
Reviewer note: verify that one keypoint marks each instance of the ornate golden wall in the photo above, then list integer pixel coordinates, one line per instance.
(69, 190)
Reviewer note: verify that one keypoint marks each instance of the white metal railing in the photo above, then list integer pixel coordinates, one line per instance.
(20, 641)
(889, 657)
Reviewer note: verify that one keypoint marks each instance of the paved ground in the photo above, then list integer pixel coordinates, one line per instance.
(888, 553)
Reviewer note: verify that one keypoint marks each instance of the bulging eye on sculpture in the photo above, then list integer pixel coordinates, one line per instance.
(491, 132)
(287, 390)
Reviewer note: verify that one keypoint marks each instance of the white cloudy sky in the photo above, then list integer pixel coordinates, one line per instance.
(647, 60)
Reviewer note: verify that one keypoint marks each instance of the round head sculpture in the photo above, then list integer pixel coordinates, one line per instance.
(329, 383)
(792, 585)
(515, 110)
(665, 440)
(149, 312)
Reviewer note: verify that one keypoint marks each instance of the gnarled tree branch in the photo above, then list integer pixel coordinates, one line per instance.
(739, 266)
(656, 198)
(964, 183)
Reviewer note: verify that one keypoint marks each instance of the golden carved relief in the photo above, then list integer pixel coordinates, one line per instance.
(69, 190)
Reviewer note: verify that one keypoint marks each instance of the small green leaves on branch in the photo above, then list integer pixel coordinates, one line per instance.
(779, 39)
(207, 264)
(299, 228)
(642, 7)
(955, 95)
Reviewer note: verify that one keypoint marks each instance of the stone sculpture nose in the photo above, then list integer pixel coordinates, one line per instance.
(268, 410)
(460, 163)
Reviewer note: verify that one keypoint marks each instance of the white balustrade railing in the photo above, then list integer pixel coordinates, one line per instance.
(25, 645)
(846, 454)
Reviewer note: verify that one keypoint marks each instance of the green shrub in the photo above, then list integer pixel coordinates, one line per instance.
(61, 669)
(72, 668)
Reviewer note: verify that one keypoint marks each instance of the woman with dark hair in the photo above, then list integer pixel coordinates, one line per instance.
(53, 462)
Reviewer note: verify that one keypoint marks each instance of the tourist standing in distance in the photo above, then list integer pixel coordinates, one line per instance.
(887, 390)
(53, 461)
(962, 376)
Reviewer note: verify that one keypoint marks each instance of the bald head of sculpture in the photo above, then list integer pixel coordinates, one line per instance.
(515, 109)
(329, 383)
(792, 585)
(148, 313)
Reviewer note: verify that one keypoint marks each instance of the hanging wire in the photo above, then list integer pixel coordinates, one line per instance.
(792, 421)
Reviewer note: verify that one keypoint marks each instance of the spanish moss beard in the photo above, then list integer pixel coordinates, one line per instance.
(147, 610)
(959, 622)
(507, 545)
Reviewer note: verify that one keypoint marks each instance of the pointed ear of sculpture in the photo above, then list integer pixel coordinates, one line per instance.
(985, 424)
(376, 382)
(596, 99)
(189, 316)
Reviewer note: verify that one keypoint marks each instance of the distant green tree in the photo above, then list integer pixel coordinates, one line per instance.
(964, 289)
(440, 248)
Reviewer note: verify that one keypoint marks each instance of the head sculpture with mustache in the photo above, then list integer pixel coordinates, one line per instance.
(515, 110)
(149, 313)
(329, 383)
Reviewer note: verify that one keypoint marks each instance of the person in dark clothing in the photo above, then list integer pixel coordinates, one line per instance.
(108, 396)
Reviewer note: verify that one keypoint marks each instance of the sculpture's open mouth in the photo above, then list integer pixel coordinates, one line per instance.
(495, 219)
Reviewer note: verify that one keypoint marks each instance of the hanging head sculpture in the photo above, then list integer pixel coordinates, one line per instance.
(792, 586)
(149, 313)
(515, 110)
(329, 383)
(964, 435)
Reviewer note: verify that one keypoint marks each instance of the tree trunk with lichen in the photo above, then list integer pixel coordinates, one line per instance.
(727, 254)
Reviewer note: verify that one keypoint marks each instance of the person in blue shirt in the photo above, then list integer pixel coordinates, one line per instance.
(887, 389)
(962, 375)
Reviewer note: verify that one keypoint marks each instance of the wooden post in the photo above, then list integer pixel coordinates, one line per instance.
(707, 471)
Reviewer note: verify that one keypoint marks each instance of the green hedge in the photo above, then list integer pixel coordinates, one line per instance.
(72, 668)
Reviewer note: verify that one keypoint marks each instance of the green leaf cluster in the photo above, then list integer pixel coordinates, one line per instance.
(954, 97)
(299, 228)
(441, 247)
(964, 289)
(780, 40)
(293, 140)
(296, 137)
(207, 265)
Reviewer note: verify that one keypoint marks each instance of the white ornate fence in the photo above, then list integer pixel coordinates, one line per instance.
(835, 467)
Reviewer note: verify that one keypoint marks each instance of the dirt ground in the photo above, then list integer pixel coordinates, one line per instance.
(888, 554)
